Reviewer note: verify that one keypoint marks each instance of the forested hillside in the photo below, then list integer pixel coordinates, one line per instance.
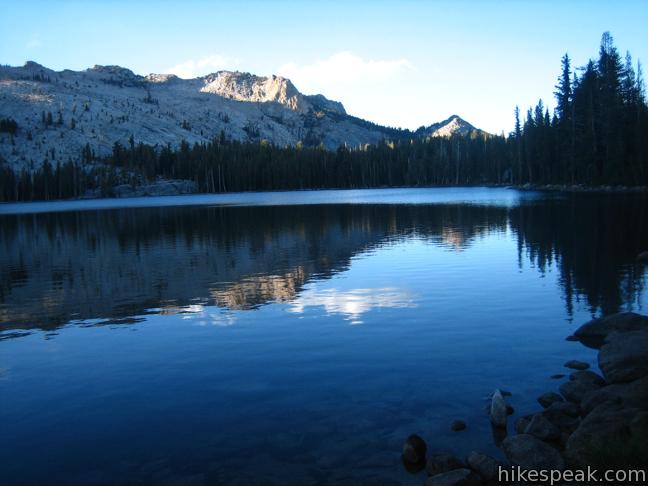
(597, 135)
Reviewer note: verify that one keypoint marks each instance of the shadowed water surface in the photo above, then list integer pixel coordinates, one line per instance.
(291, 338)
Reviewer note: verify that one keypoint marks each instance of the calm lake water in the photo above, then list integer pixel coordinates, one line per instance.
(291, 338)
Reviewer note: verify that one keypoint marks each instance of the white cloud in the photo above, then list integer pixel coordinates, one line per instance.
(193, 68)
(373, 89)
(343, 67)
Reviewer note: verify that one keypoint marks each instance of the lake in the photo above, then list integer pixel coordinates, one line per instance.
(292, 338)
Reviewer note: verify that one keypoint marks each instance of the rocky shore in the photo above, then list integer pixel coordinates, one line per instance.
(580, 188)
(161, 187)
(598, 420)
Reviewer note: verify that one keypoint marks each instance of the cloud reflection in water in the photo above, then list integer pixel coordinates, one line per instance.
(352, 304)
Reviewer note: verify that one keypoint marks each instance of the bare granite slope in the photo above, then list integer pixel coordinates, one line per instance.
(59, 112)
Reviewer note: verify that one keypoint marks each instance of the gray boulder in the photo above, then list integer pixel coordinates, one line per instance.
(498, 410)
(575, 391)
(442, 463)
(568, 408)
(457, 477)
(629, 395)
(542, 428)
(606, 423)
(528, 452)
(414, 450)
(484, 465)
(639, 425)
(558, 415)
(522, 423)
(624, 356)
(587, 376)
(594, 332)
(546, 399)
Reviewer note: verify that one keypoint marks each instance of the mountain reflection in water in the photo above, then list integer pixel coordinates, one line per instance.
(58, 267)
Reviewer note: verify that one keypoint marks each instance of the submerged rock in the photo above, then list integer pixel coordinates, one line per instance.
(414, 450)
(594, 332)
(498, 410)
(624, 356)
(643, 257)
(528, 452)
(546, 399)
(458, 425)
(576, 365)
(442, 463)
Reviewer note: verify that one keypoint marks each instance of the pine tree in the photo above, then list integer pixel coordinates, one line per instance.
(518, 144)
(610, 117)
(565, 122)
(564, 92)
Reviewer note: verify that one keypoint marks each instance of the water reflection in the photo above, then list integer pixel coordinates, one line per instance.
(116, 264)
(593, 240)
(217, 341)
(352, 303)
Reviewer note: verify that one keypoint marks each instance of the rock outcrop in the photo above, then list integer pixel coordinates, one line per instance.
(594, 332)
(529, 452)
(624, 356)
(498, 410)
(257, 89)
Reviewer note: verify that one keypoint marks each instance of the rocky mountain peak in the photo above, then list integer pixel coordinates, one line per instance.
(33, 65)
(453, 125)
(249, 87)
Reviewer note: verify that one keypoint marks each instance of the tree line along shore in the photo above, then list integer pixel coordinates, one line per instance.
(596, 136)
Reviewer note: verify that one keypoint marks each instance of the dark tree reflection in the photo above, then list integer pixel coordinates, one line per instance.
(594, 240)
(116, 264)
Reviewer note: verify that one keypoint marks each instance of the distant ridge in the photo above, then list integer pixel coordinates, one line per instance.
(61, 113)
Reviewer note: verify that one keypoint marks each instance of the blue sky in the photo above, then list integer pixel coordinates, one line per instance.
(405, 63)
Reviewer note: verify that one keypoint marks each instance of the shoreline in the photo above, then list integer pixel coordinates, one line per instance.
(593, 420)
(180, 187)
(580, 188)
